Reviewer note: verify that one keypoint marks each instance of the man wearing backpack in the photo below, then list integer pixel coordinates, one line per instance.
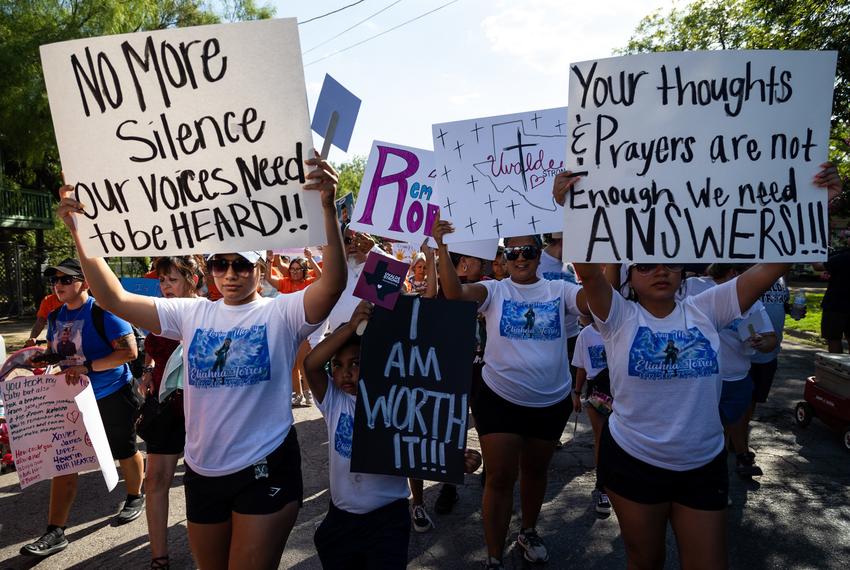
(103, 345)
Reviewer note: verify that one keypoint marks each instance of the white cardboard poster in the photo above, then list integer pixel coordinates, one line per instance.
(186, 140)
(396, 198)
(55, 428)
(494, 174)
(699, 156)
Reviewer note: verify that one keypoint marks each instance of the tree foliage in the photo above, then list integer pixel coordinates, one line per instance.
(762, 24)
(28, 153)
(350, 176)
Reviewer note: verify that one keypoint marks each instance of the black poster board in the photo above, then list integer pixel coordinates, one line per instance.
(413, 392)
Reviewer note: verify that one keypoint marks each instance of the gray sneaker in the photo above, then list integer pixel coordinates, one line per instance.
(534, 550)
(131, 510)
(50, 542)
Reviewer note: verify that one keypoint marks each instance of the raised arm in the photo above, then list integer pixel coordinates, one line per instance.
(321, 297)
(311, 263)
(596, 290)
(314, 363)
(759, 278)
(104, 285)
(451, 285)
(430, 271)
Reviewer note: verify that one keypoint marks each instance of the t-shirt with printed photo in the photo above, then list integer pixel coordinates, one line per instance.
(774, 300)
(357, 493)
(553, 269)
(74, 337)
(237, 387)
(590, 352)
(526, 360)
(665, 373)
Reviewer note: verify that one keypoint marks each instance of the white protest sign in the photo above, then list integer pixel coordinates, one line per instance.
(396, 198)
(699, 156)
(55, 429)
(186, 140)
(494, 174)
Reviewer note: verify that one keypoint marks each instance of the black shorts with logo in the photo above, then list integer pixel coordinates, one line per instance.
(211, 500)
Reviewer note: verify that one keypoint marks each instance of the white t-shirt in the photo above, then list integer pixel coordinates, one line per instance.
(357, 493)
(554, 269)
(238, 383)
(666, 377)
(590, 352)
(526, 360)
(735, 352)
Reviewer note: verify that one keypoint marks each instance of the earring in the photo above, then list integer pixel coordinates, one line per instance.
(465, 267)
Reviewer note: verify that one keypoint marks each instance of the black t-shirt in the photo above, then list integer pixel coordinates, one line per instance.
(837, 296)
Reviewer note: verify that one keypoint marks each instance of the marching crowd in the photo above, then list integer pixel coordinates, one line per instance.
(669, 367)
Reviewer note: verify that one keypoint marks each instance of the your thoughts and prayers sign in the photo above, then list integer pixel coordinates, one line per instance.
(186, 140)
(699, 156)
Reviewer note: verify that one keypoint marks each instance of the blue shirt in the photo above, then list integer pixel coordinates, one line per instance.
(74, 336)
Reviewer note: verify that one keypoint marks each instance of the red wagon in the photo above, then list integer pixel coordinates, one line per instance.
(827, 395)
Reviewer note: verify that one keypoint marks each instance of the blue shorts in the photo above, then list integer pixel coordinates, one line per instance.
(735, 399)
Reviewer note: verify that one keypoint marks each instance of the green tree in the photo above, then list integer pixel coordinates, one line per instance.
(763, 24)
(28, 154)
(350, 175)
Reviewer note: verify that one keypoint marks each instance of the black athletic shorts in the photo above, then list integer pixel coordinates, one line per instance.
(494, 414)
(705, 488)
(762, 375)
(170, 427)
(118, 412)
(211, 500)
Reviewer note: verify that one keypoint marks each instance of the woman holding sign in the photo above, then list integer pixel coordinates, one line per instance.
(662, 456)
(524, 403)
(243, 475)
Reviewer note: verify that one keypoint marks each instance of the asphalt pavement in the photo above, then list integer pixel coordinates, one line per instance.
(796, 516)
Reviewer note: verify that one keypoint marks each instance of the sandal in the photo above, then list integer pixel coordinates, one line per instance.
(160, 563)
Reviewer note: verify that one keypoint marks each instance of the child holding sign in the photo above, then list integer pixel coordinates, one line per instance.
(243, 476)
(661, 455)
(367, 525)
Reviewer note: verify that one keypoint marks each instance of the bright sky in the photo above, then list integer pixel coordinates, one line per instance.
(473, 58)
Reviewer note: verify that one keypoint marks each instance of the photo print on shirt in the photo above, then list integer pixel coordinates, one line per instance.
(540, 320)
(671, 354)
(237, 357)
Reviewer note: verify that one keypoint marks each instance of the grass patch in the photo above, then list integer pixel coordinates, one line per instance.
(811, 322)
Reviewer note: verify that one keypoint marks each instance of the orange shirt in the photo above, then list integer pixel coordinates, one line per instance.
(49, 304)
(213, 294)
(152, 274)
(287, 285)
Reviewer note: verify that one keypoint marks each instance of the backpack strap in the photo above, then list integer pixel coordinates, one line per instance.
(97, 319)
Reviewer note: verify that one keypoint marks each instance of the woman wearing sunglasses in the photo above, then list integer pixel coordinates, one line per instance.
(661, 456)
(243, 468)
(523, 405)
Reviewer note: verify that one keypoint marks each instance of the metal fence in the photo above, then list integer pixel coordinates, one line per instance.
(22, 284)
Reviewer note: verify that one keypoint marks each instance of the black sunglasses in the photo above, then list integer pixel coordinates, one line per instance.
(241, 266)
(64, 280)
(649, 267)
(528, 252)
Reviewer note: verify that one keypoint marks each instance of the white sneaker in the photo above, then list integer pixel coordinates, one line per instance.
(532, 545)
(297, 399)
(421, 521)
(308, 398)
(603, 504)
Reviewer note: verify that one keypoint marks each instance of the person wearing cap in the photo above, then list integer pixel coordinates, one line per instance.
(661, 456)
(97, 344)
(243, 483)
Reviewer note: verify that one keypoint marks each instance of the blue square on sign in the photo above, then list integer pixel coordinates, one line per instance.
(335, 97)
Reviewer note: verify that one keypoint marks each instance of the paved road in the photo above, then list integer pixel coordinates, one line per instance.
(798, 517)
